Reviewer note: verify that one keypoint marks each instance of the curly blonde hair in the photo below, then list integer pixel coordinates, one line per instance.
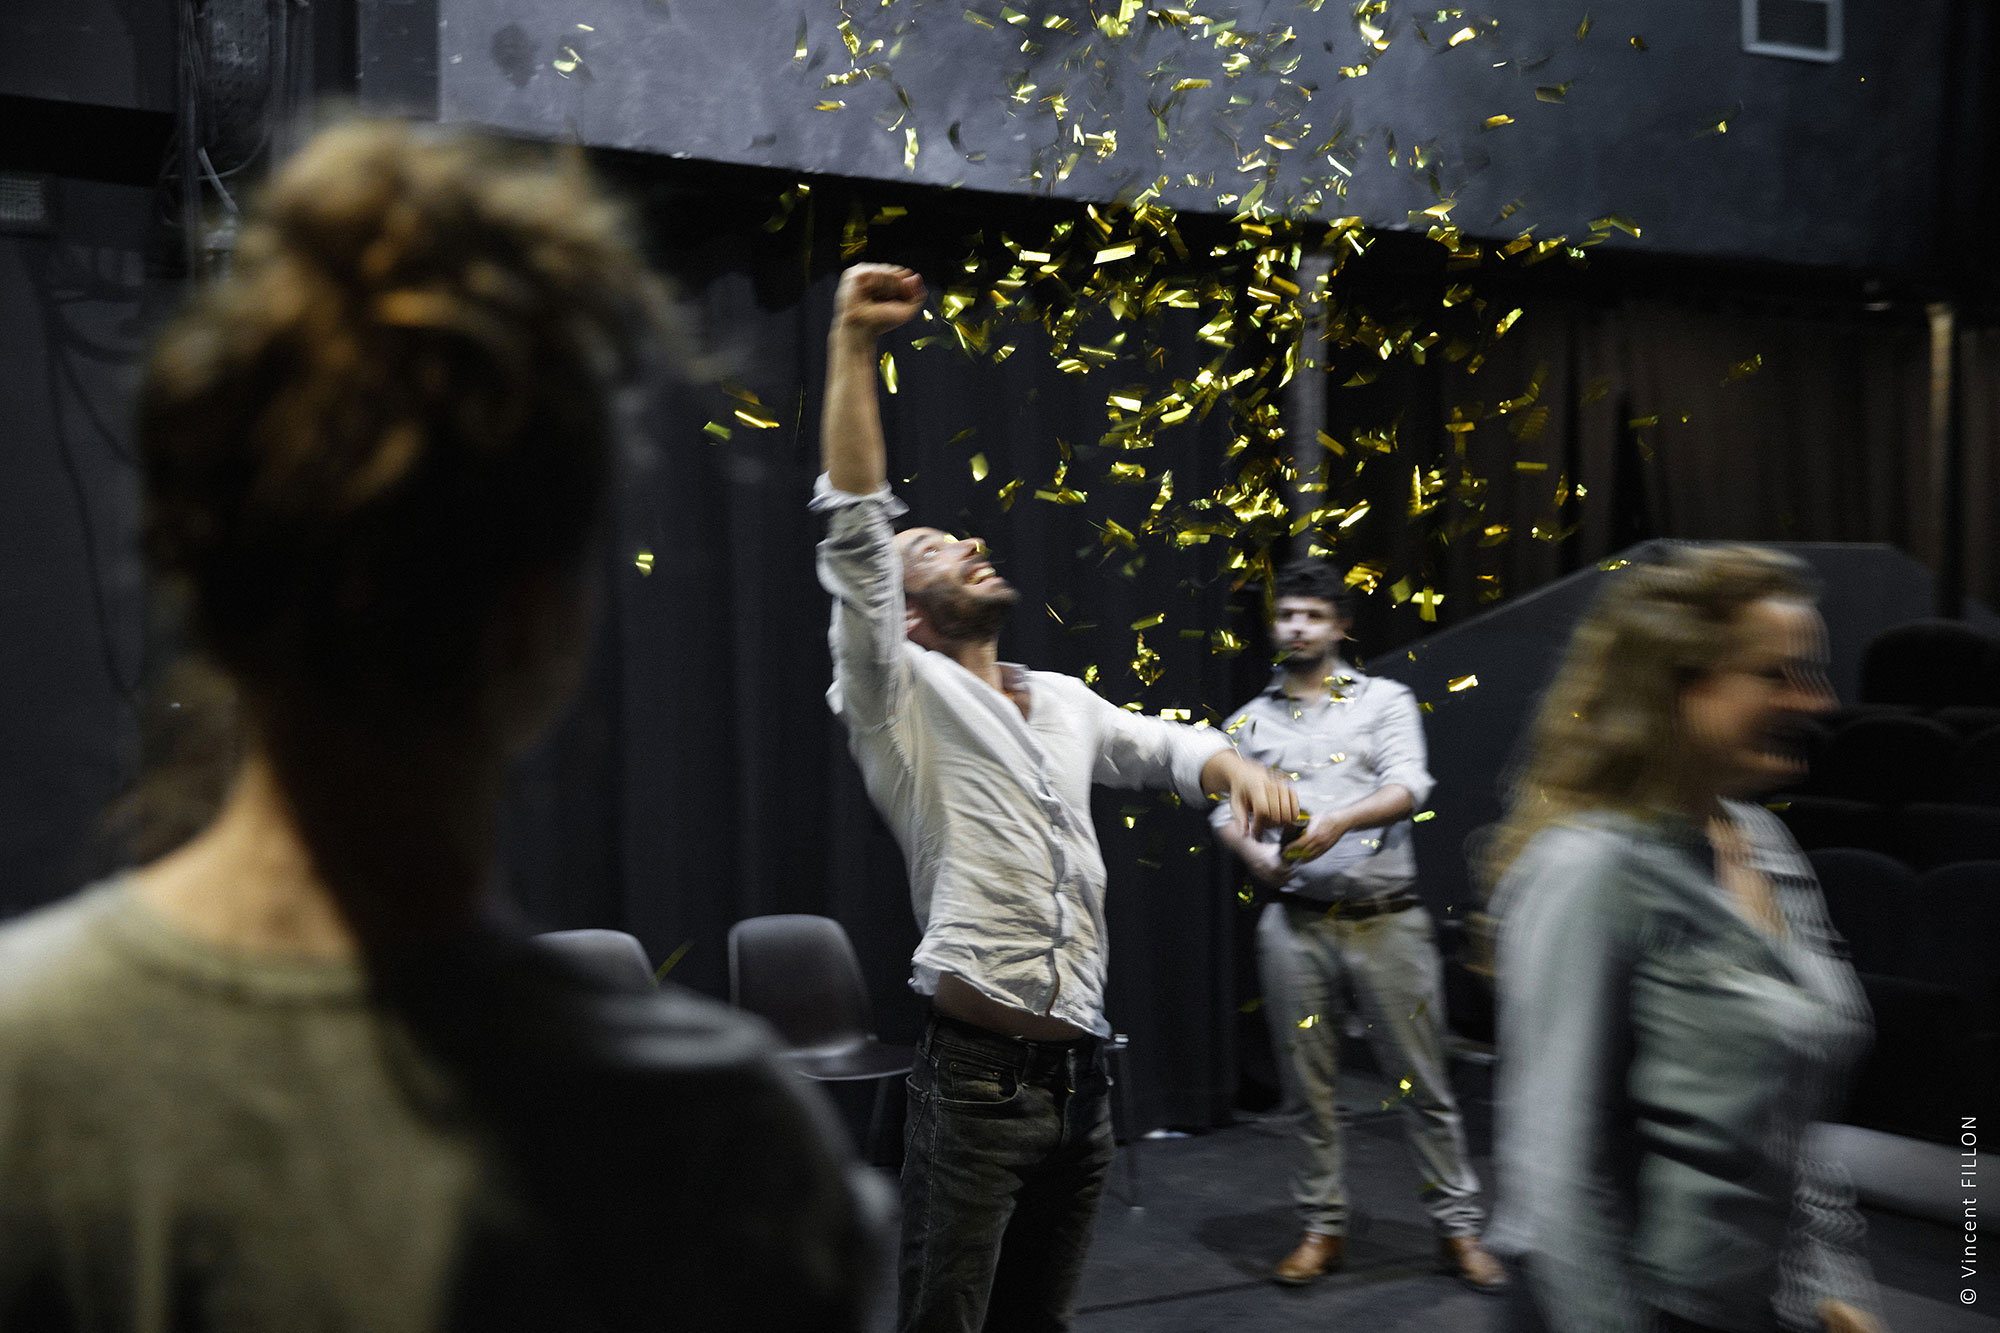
(1607, 733)
(394, 408)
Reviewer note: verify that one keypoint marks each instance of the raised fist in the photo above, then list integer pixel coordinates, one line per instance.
(874, 298)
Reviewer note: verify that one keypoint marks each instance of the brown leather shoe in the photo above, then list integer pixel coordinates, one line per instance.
(1316, 1256)
(1467, 1260)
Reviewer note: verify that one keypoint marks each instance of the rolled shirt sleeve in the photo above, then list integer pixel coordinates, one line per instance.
(1401, 756)
(859, 566)
(1140, 751)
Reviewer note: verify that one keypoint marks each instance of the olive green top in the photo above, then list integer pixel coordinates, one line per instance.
(191, 1138)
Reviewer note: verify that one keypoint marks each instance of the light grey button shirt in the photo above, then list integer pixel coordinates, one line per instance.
(1364, 734)
(1661, 1059)
(992, 809)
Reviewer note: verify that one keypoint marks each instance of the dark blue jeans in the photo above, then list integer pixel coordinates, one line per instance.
(1005, 1156)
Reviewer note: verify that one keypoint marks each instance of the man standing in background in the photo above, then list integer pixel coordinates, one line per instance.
(1346, 918)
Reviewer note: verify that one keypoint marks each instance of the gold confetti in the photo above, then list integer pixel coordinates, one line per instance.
(749, 418)
(1158, 617)
(1457, 683)
(644, 560)
(828, 106)
(910, 148)
(1548, 92)
(889, 381)
(1113, 252)
(716, 429)
(1495, 122)
(1638, 43)
(974, 16)
(1462, 35)
(1744, 369)
(1423, 816)
(1583, 28)
(1618, 220)
(1145, 662)
(799, 51)
(567, 61)
(979, 467)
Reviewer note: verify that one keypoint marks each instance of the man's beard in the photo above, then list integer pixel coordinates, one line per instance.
(955, 614)
(1298, 663)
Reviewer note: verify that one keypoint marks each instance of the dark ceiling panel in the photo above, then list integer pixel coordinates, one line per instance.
(1657, 116)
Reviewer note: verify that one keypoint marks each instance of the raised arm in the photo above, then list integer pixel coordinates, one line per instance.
(871, 300)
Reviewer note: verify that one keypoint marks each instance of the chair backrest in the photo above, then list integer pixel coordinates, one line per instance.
(1976, 775)
(1959, 928)
(1831, 821)
(1889, 759)
(612, 956)
(800, 974)
(1942, 835)
(1931, 663)
(1872, 901)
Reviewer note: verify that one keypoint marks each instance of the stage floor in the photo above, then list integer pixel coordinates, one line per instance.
(1216, 1216)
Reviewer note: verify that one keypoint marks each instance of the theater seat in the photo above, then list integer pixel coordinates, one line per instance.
(1889, 760)
(1976, 770)
(1930, 663)
(1830, 821)
(1873, 902)
(1958, 931)
(1939, 835)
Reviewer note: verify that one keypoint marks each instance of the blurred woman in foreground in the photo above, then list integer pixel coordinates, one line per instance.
(1675, 1010)
(296, 1074)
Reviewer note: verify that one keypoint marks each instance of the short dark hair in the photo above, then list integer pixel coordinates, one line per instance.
(1314, 578)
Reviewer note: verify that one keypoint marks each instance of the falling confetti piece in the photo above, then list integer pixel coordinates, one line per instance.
(889, 380)
(1458, 683)
(1462, 35)
(910, 148)
(644, 560)
(1744, 369)
(1495, 122)
(1638, 43)
(979, 467)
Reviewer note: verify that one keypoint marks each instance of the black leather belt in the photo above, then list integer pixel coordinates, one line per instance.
(1360, 909)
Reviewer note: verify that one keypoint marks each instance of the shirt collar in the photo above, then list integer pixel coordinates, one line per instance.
(1347, 681)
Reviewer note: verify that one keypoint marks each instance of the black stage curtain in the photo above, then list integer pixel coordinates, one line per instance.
(699, 778)
(702, 780)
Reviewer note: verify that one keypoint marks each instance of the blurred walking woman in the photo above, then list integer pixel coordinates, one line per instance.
(1675, 1010)
(297, 1073)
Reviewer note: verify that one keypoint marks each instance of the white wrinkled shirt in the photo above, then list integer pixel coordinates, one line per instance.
(992, 809)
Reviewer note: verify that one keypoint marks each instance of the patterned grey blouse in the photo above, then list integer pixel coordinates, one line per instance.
(1661, 1059)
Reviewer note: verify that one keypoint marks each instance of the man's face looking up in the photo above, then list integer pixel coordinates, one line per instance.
(950, 587)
